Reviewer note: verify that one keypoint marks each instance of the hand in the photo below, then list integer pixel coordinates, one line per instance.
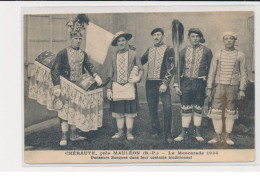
(98, 80)
(134, 79)
(109, 94)
(208, 92)
(177, 90)
(162, 88)
(56, 90)
(241, 95)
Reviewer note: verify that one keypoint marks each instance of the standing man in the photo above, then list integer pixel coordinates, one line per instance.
(228, 80)
(160, 59)
(71, 63)
(194, 66)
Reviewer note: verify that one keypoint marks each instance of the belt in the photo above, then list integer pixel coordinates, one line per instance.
(199, 78)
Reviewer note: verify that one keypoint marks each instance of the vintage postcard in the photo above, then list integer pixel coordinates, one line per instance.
(143, 87)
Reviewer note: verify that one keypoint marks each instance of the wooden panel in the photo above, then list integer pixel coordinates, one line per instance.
(59, 30)
(38, 28)
(58, 46)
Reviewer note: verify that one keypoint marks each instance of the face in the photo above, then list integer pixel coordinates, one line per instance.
(194, 39)
(229, 41)
(122, 43)
(157, 37)
(76, 41)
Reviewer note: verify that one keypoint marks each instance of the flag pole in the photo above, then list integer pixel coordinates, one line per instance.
(177, 39)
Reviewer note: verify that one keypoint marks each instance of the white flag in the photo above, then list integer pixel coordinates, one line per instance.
(98, 41)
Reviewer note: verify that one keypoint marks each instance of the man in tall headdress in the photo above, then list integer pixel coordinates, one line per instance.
(228, 80)
(160, 59)
(194, 66)
(71, 63)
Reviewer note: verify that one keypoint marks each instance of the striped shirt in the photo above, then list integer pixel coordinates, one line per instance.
(227, 65)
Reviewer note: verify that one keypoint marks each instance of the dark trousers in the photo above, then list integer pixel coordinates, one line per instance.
(152, 95)
(193, 93)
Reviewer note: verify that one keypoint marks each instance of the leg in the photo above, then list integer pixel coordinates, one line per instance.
(73, 135)
(152, 95)
(231, 112)
(186, 108)
(197, 124)
(129, 126)
(216, 113)
(64, 129)
(198, 90)
(217, 123)
(229, 125)
(120, 122)
(185, 125)
(167, 111)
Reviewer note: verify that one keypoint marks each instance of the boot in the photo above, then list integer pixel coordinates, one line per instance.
(74, 136)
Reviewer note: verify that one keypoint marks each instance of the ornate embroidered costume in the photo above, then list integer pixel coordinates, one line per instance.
(125, 71)
(194, 67)
(71, 63)
(125, 101)
(160, 59)
(160, 63)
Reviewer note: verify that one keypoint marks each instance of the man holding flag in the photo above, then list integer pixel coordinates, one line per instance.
(190, 82)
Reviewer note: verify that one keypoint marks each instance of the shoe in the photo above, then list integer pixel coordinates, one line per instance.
(63, 142)
(129, 136)
(199, 138)
(77, 137)
(179, 138)
(169, 140)
(117, 135)
(213, 141)
(229, 141)
(154, 135)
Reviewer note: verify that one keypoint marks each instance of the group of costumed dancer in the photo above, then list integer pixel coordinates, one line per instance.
(198, 74)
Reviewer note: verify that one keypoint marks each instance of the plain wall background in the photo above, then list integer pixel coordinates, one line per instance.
(49, 32)
(212, 25)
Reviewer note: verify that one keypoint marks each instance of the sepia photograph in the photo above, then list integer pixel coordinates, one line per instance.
(141, 87)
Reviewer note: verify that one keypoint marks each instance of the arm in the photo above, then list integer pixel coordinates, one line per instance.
(91, 69)
(212, 72)
(89, 66)
(110, 74)
(243, 73)
(56, 70)
(144, 58)
(170, 67)
(140, 68)
(178, 71)
(210, 56)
